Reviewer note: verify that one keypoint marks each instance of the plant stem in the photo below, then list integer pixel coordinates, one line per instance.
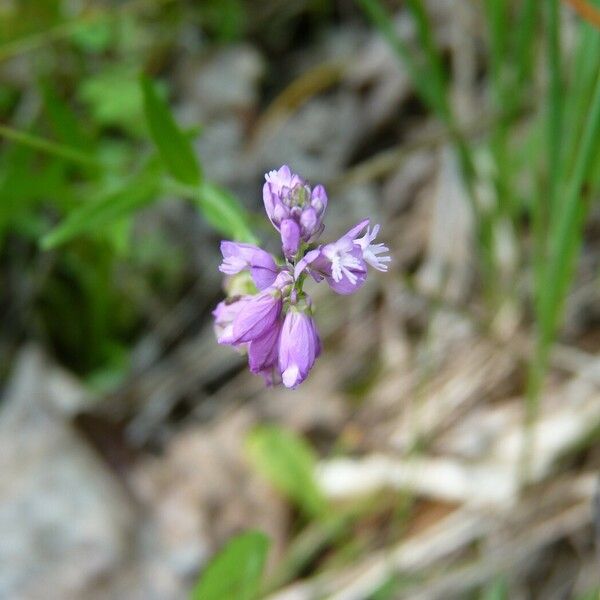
(48, 147)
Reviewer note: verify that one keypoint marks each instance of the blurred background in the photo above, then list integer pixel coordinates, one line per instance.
(447, 442)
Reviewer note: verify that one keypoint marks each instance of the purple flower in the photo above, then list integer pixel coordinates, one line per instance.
(341, 263)
(344, 262)
(238, 257)
(371, 252)
(343, 266)
(275, 326)
(299, 347)
(263, 352)
(288, 198)
(290, 237)
(257, 316)
(224, 314)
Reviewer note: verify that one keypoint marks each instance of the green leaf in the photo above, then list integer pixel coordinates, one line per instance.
(218, 206)
(496, 590)
(174, 147)
(235, 572)
(222, 210)
(48, 147)
(93, 35)
(114, 98)
(105, 209)
(63, 120)
(227, 18)
(289, 463)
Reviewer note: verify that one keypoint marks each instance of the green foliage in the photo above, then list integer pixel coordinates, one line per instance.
(103, 146)
(431, 83)
(224, 212)
(235, 572)
(560, 222)
(226, 19)
(95, 35)
(63, 120)
(113, 98)
(427, 86)
(496, 590)
(558, 204)
(289, 463)
(98, 213)
(174, 148)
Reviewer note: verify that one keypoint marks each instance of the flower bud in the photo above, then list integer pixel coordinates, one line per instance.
(299, 346)
(257, 316)
(238, 257)
(290, 237)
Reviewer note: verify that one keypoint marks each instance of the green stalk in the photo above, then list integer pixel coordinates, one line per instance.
(565, 236)
(525, 40)
(433, 60)
(504, 100)
(566, 227)
(545, 207)
(424, 85)
(584, 67)
(48, 147)
(431, 85)
(555, 110)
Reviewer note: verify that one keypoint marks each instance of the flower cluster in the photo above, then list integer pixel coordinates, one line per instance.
(275, 324)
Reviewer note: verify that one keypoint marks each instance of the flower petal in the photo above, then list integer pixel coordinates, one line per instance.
(263, 351)
(256, 317)
(299, 347)
(308, 258)
(238, 256)
(290, 237)
(353, 233)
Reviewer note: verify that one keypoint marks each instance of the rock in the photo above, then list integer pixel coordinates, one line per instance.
(64, 520)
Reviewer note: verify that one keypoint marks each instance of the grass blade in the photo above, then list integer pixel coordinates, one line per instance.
(555, 110)
(289, 463)
(565, 234)
(104, 210)
(382, 21)
(48, 147)
(173, 146)
(235, 572)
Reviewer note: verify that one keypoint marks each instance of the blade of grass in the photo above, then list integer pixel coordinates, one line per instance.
(555, 110)
(565, 235)
(48, 147)
(585, 66)
(430, 83)
(566, 226)
(107, 208)
(289, 463)
(63, 120)
(496, 13)
(382, 21)
(433, 60)
(544, 210)
(236, 571)
(174, 148)
(525, 39)
(429, 79)
(505, 96)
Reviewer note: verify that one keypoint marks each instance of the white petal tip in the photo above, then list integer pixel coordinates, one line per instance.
(290, 376)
